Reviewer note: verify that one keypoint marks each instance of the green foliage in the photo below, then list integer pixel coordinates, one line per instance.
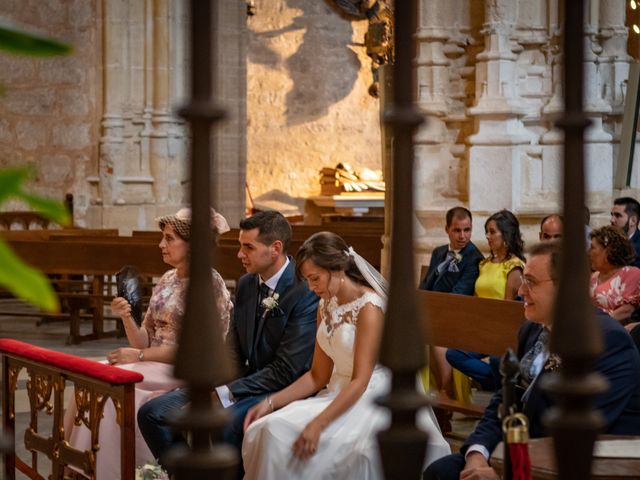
(17, 40)
(19, 278)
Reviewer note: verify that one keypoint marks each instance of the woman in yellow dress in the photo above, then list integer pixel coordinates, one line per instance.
(500, 277)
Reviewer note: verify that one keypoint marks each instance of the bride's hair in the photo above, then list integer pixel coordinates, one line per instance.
(329, 251)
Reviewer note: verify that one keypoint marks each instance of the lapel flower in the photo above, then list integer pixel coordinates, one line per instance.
(457, 257)
(270, 303)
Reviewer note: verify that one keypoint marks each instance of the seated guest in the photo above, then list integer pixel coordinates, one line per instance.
(453, 269)
(153, 344)
(625, 214)
(551, 228)
(324, 425)
(619, 364)
(500, 276)
(614, 285)
(270, 338)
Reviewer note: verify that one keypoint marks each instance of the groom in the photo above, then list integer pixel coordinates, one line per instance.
(270, 339)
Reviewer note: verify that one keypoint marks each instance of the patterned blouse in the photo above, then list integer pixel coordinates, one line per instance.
(621, 288)
(166, 307)
(492, 281)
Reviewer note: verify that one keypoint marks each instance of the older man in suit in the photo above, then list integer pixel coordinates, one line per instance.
(271, 335)
(453, 269)
(619, 364)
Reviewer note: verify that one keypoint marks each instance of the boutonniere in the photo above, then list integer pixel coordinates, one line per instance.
(457, 257)
(270, 304)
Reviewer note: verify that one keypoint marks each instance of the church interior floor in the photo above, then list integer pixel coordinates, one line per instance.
(53, 335)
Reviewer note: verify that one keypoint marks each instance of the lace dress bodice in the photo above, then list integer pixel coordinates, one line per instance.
(337, 333)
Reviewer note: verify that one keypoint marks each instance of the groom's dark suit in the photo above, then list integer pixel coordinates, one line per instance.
(461, 282)
(270, 350)
(619, 405)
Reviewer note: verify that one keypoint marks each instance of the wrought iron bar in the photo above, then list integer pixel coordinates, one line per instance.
(201, 360)
(403, 445)
(575, 337)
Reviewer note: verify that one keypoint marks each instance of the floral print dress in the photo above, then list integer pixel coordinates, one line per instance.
(623, 287)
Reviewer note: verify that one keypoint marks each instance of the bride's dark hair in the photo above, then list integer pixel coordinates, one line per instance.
(329, 251)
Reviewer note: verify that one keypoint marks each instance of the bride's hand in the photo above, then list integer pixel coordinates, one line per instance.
(307, 443)
(257, 411)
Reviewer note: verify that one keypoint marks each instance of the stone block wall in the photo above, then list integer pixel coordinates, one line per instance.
(49, 110)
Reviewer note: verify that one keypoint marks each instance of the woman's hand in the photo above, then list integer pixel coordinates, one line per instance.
(307, 443)
(623, 312)
(123, 355)
(257, 411)
(631, 326)
(120, 307)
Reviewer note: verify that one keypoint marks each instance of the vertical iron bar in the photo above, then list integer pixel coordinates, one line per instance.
(403, 445)
(575, 336)
(201, 359)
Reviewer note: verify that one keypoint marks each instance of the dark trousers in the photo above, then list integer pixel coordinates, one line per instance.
(472, 365)
(445, 468)
(160, 437)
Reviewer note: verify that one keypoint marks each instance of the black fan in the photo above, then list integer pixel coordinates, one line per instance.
(128, 281)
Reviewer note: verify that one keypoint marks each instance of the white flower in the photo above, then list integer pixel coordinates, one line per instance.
(151, 471)
(271, 302)
(457, 258)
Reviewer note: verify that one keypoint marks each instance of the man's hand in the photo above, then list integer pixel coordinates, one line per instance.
(123, 355)
(215, 399)
(477, 468)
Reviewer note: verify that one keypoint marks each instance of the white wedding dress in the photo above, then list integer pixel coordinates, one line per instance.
(348, 446)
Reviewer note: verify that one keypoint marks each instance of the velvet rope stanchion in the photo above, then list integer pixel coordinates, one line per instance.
(516, 429)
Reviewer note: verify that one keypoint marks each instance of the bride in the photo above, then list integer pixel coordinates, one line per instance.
(293, 434)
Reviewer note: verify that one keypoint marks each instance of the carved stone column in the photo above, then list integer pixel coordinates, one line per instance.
(495, 152)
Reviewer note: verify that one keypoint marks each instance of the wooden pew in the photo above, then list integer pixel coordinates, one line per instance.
(49, 373)
(472, 324)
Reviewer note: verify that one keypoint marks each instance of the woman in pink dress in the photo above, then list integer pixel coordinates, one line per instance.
(615, 285)
(152, 344)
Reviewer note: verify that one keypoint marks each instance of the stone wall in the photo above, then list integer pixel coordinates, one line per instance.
(49, 111)
(308, 105)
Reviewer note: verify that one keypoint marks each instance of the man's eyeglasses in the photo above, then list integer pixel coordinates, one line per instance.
(532, 283)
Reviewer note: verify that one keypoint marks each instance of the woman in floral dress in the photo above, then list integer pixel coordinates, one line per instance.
(614, 285)
(152, 344)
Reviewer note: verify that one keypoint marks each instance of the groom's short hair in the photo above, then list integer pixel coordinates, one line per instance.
(271, 226)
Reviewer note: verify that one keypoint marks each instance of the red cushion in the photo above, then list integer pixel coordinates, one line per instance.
(90, 368)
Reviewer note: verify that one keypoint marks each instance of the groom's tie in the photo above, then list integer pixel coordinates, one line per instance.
(444, 265)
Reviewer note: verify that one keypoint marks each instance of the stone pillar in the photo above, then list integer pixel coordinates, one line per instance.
(598, 148)
(496, 151)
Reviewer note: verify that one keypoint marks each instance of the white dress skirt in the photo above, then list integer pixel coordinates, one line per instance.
(348, 446)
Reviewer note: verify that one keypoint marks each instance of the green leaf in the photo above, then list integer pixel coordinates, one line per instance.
(11, 180)
(25, 282)
(20, 41)
(51, 209)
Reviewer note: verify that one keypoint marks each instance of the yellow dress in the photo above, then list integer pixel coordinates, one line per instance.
(492, 281)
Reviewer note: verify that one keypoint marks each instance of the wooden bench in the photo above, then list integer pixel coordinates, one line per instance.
(48, 374)
(472, 324)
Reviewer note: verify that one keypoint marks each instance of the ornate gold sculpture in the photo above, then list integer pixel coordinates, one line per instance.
(379, 36)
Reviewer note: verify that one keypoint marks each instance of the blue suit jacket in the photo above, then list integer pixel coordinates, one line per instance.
(272, 352)
(635, 239)
(462, 282)
(620, 404)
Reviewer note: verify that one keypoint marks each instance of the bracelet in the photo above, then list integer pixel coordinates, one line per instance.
(270, 403)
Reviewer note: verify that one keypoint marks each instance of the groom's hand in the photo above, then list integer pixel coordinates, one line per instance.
(477, 468)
